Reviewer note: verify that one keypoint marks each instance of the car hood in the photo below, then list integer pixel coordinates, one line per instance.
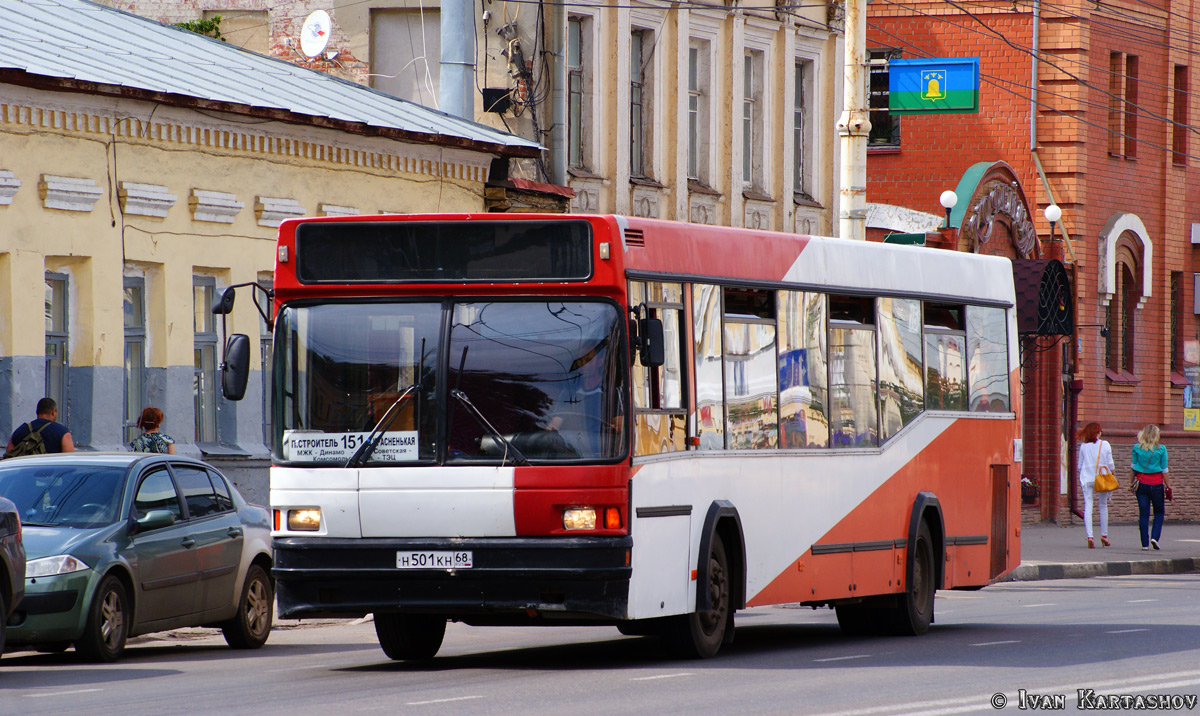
(50, 541)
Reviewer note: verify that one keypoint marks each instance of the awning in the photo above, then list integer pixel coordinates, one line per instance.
(1044, 304)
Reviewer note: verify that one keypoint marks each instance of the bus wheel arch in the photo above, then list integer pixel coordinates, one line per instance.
(720, 586)
(924, 567)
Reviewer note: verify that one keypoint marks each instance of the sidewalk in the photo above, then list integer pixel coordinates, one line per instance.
(1049, 551)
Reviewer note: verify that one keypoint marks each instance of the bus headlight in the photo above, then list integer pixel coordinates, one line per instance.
(304, 520)
(579, 518)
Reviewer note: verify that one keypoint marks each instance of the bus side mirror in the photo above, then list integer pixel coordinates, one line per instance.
(235, 370)
(223, 306)
(652, 349)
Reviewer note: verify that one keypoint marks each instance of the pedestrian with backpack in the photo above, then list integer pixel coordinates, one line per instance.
(43, 435)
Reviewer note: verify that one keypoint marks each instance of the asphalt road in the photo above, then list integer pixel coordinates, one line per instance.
(1134, 636)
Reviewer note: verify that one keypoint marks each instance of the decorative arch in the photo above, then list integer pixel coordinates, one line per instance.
(990, 198)
(1118, 225)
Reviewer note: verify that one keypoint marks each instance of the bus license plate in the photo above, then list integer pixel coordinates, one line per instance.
(433, 560)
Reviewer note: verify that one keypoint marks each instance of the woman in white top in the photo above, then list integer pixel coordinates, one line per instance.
(1093, 452)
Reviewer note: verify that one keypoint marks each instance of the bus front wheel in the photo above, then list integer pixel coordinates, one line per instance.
(914, 611)
(700, 634)
(410, 637)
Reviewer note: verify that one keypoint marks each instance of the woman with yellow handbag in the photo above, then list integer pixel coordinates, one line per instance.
(1096, 478)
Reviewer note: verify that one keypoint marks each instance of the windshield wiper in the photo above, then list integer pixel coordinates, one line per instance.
(518, 456)
(363, 453)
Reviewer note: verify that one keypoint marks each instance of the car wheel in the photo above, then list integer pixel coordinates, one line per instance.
(107, 625)
(251, 626)
(3, 625)
(410, 637)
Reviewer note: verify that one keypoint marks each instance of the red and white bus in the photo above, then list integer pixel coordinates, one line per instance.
(533, 419)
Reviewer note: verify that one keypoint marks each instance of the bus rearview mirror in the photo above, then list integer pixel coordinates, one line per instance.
(650, 336)
(235, 370)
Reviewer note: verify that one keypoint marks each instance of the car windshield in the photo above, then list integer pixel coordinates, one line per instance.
(64, 496)
(544, 377)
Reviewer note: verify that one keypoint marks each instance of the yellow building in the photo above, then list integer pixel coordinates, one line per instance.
(143, 169)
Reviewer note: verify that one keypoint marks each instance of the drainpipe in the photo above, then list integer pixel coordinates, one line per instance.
(854, 126)
(1034, 80)
(456, 94)
(558, 97)
(1076, 387)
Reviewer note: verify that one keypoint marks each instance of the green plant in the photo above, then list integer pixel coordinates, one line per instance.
(210, 27)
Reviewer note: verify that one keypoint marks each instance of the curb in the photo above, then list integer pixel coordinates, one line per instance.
(1077, 570)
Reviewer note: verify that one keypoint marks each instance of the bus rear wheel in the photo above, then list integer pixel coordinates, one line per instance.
(913, 612)
(410, 637)
(700, 634)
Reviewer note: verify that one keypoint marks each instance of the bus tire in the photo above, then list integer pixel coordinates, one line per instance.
(699, 635)
(410, 637)
(913, 612)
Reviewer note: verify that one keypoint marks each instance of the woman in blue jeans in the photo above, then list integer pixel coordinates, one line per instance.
(1149, 468)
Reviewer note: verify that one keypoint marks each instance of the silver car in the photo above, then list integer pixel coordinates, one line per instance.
(12, 564)
(123, 544)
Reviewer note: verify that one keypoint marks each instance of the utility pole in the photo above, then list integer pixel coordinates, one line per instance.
(854, 126)
(558, 62)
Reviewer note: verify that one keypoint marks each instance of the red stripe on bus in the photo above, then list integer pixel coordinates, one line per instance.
(955, 467)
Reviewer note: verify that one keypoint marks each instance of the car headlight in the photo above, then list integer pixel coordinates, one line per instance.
(50, 566)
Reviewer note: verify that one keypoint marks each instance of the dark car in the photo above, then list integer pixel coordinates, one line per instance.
(12, 564)
(123, 544)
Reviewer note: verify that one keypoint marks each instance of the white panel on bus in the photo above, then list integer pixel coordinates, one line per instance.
(475, 501)
(334, 490)
(661, 566)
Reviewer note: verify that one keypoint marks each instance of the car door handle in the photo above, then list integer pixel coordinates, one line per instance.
(234, 532)
(188, 542)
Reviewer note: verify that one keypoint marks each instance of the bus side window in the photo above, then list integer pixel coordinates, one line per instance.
(945, 357)
(987, 359)
(853, 373)
(658, 392)
(803, 390)
(902, 390)
(751, 374)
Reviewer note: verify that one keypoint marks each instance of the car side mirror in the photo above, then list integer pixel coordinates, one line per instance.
(652, 349)
(235, 369)
(155, 519)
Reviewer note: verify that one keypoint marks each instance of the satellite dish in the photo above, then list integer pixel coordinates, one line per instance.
(314, 35)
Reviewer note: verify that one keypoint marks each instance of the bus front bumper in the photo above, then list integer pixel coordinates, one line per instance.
(509, 578)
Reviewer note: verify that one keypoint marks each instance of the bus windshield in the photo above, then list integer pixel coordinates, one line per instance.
(531, 380)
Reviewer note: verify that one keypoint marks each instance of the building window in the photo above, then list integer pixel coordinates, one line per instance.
(204, 378)
(695, 101)
(56, 341)
(1175, 324)
(266, 342)
(749, 99)
(135, 354)
(1120, 321)
(1122, 105)
(406, 50)
(641, 48)
(800, 111)
(575, 91)
(1180, 129)
(885, 127)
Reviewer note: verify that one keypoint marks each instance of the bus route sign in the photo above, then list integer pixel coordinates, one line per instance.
(307, 445)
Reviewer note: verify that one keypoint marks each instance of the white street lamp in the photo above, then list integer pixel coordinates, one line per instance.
(1053, 214)
(948, 199)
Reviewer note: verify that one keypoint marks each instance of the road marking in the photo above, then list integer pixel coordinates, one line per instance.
(1139, 601)
(997, 643)
(63, 692)
(844, 658)
(1126, 631)
(297, 668)
(442, 701)
(660, 676)
(1031, 606)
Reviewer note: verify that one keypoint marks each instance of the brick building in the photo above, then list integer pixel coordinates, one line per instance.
(1105, 132)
